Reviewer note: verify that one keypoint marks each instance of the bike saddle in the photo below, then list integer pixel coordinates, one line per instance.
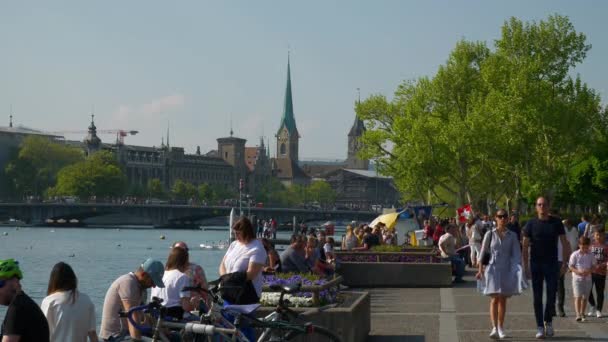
(290, 288)
(246, 309)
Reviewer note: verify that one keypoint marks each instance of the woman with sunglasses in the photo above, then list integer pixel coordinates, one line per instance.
(501, 278)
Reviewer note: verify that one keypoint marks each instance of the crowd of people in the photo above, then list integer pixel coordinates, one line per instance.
(504, 255)
(67, 314)
(507, 256)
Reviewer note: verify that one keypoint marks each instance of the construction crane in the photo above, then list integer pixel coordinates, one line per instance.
(120, 133)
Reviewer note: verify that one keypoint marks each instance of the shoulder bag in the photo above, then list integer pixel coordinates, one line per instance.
(487, 255)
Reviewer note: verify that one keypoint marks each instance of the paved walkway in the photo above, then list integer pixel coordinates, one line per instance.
(461, 314)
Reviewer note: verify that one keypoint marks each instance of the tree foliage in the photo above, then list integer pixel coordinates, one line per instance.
(99, 175)
(183, 190)
(504, 123)
(35, 167)
(155, 189)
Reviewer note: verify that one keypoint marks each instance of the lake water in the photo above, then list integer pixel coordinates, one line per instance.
(98, 256)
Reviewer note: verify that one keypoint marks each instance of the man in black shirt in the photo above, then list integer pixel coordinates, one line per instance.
(24, 321)
(513, 226)
(541, 235)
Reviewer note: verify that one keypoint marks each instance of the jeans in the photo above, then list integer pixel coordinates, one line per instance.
(561, 292)
(599, 282)
(548, 273)
(458, 265)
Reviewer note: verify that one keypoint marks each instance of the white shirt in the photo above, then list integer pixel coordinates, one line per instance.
(69, 321)
(239, 256)
(582, 261)
(450, 245)
(172, 293)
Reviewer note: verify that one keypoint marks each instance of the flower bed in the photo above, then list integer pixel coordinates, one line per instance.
(315, 290)
(398, 269)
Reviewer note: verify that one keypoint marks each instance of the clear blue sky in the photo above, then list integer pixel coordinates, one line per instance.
(196, 63)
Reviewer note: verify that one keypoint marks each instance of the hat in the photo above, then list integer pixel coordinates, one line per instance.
(155, 270)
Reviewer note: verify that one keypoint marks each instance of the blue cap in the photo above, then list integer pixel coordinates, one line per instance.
(155, 270)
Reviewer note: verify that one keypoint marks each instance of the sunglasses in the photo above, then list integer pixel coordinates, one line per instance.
(502, 216)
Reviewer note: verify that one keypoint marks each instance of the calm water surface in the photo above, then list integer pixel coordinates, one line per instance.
(98, 256)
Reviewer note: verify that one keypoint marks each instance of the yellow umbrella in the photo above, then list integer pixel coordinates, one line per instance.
(389, 220)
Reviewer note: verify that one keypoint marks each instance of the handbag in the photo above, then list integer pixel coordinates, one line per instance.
(487, 255)
(236, 289)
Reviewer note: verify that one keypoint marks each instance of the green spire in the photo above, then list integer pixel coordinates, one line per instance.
(288, 120)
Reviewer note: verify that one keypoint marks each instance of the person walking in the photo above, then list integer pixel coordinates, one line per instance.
(473, 231)
(572, 237)
(24, 321)
(70, 313)
(540, 236)
(502, 277)
(581, 263)
(598, 275)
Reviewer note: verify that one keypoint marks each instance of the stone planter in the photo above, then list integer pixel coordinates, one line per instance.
(351, 322)
(411, 269)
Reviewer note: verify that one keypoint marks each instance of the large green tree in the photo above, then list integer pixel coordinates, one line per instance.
(34, 169)
(502, 123)
(99, 175)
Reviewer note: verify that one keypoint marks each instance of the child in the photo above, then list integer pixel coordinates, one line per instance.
(328, 248)
(582, 263)
(598, 277)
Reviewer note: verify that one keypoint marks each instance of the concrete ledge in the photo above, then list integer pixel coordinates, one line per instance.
(352, 323)
(395, 274)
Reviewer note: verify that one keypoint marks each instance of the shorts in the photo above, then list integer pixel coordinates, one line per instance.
(581, 287)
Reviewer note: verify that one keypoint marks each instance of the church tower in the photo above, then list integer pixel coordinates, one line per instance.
(92, 141)
(287, 135)
(354, 146)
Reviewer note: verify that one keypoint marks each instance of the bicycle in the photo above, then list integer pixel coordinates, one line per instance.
(280, 325)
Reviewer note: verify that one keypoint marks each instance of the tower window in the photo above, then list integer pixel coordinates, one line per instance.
(226, 155)
(283, 149)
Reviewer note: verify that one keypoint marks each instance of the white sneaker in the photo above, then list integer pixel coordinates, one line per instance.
(598, 314)
(501, 333)
(494, 333)
(591, 311)
(549, 329)
(540, 332)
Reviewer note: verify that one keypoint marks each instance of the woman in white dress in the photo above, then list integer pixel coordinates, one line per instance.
(501, 278)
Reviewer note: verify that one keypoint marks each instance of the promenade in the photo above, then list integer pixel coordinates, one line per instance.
(461, 314)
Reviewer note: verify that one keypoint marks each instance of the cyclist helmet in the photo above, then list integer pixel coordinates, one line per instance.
(9, 269)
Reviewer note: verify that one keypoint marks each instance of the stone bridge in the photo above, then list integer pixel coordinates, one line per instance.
(159, 215)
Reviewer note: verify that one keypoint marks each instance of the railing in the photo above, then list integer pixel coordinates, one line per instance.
(315, 289)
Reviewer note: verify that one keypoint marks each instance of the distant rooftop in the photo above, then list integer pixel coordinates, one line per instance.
(26, 130)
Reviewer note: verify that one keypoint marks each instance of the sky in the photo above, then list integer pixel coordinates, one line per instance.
(197, 66)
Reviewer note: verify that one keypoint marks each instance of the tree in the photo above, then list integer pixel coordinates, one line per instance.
(321, 191)
(428, 136)
(183, 190)
(99, 175)
(205, 193)
(34, 169)
(489, 124)
(155, 188)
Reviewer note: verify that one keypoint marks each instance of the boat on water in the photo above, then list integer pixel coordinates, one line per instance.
(14, 223)
(219, 245)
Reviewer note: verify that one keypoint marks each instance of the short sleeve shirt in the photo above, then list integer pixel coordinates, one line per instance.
(126, 288)
(543, 236)
(450, 244)
(70, 317)
(240, 255)
(25, 319)
(582, 261)
(600, 251)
